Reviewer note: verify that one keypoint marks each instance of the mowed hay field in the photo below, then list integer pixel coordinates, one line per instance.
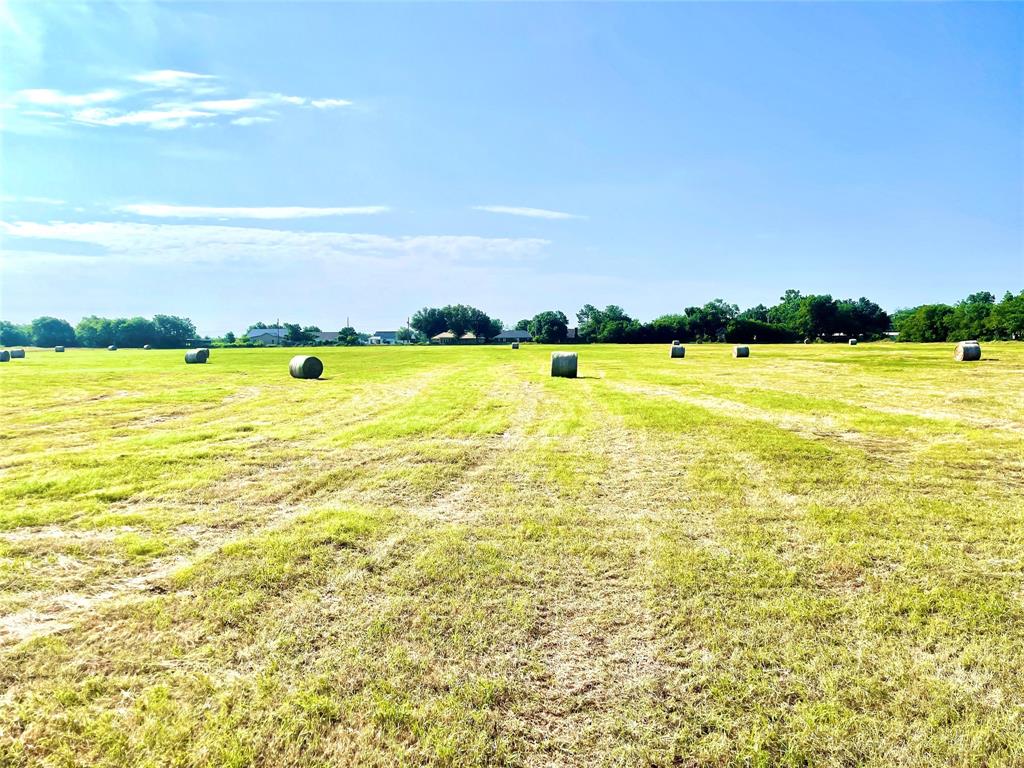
(814, 556)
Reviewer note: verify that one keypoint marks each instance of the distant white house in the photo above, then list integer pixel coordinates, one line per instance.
(267, 336)
(383, 337)
(512, 335)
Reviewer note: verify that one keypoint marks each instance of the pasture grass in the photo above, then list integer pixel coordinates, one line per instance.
(442, 556)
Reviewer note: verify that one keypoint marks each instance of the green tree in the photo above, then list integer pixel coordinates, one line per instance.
(429, 321)
(1007, 318)
(12, 335)
(929, 322)
(172, 332)
(135, 332)
(710, 322)
(669, 328)
(347, 337)
(549, 327)
(52, 332)
(523, 325)
(229, 337)
(970, 318)
(96, 331)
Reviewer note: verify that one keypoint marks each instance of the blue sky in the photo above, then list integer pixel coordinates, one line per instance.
(315, 162)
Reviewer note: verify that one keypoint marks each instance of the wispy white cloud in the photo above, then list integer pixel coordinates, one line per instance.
(171, 78)
(48, 97)
(534, 213)
(163, 211)
(144, 243)
(330, 103)
(163, 99)
(31, 199)
(161, 119)
(250, 120)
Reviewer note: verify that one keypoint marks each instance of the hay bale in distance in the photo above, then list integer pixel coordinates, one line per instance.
(112, 348)
(515, 345)
(58, 349)
(807, 341)
(739, 351)
(967, 351)
(194, 356)
(675, 342)
(564, 364)
(146, 346)
(305, 367)
(853, 342)
(5, 356)
(677, 350)
(17, 353)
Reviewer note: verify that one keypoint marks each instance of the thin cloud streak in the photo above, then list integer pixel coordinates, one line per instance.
(179, 244)
(533, 213)
(165, 211)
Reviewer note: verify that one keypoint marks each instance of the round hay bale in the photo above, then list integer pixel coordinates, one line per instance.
(112, 348)
(5, 356)
(204, 352)
(17, 353)
(564, 364)
(677, 350)
(146, 346)
(967, 351)
(515, 345)
(807, 341)
(853, 342)
(194, 356)
(305, 367)
(675, 342)
(739, 351)
(58, 349)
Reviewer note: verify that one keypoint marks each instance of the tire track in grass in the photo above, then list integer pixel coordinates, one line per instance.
(597, 668)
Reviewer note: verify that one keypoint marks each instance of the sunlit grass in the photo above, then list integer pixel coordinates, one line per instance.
(814, 556)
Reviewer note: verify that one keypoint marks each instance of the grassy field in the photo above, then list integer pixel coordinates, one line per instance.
(443, 556)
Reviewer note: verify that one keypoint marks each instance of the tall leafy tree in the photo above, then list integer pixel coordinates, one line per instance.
(51, 332)
(549, 327)
(429, 321)
(12, 335)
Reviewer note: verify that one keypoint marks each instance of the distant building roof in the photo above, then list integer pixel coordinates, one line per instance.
(513, 335)
(279, 333)
(443, 335)
(468, 335)
(328, 336)
(571, 333)
(386, 334)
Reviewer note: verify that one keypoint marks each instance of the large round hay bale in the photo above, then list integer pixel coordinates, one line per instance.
(5, 356)
(677, 350)
(515, 345)
(17, 353)
(967, 351)
(58, 349)
(305, 367)
(739, 351)
(204, 352)
(195, 356)
(112, 348)
(146, 346)
(853, 342)
(564, 364)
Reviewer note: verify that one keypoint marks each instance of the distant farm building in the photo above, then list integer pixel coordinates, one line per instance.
(383, 337)
(327, 337)
(267, 336)
(512, 335)
(447, 337)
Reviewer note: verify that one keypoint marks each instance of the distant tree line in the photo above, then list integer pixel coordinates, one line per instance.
(979, 316)
(162, 331)
(795, 317)
(459, 319)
